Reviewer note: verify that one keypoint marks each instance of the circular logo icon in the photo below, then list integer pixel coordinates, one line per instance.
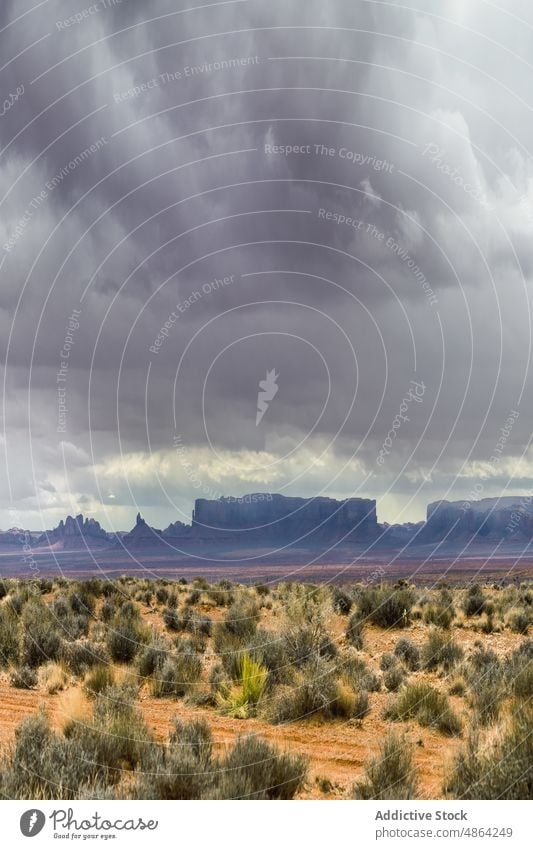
(32, 822)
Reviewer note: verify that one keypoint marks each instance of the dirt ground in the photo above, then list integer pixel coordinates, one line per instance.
(337, 749)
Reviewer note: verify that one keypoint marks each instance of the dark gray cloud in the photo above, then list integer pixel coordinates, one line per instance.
(144, 175)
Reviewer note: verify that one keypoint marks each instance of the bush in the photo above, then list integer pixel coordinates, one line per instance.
(474, 601)
(241, 701)
(43, 765)
(392, 775)
(519, 621)
(354, 632)
(393, 678)
(486, 700)
(125, 636)
(241, 620)
(175, 675)
(152, 656)
(502, 771)
(115, 739)
(315, 690)
(341, 600)
(440, 651)
(185, 769)
(437, 615)
(254, 769)
(359, 676)
(387, 607)
(54, 678)
(269, 649)
(82, 655)
(408, 652)
(40, 642)
(361, 706)
(9, 637)
(386, 661)
(304, 642)
(427, 705)
(98, 679)
(108, 611)
(23, 678)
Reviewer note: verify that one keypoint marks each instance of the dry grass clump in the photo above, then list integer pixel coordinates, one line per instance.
(502, 769)
(392, 774)
(427, 705)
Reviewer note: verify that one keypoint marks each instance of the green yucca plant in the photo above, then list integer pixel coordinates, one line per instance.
(241, 700)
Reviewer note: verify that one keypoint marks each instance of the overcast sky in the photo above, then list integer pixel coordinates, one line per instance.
(340, 193)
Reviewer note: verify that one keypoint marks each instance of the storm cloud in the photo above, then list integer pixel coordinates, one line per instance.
(339, 194)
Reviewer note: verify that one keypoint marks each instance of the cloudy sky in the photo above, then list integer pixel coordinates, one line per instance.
(340, 193)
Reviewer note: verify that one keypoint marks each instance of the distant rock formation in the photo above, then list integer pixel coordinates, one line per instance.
(142, 535)
(75, 532)
(489, 519)
(272, 519)
(17, 536)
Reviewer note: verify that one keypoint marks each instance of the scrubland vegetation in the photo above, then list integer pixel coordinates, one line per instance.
(453, 662)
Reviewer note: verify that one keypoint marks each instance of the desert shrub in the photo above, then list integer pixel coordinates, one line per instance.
(193, 597)
(457, 687)
(23, 678)
(182, 769)
(427, 705)
(519, 670)
(474, 601)
(241, 701)
(173, 620)
(438, 615)
(359, 676)
(221, 594)
(303, 642)
(9, 637)
(486, 700)
(153, 655)
(115, 738)
(519, 621)
(393, 678)
(161, 595)
(392, 774)
(82, 655)
(185, 768)
(40, 642)
(361, 705)
(198, 624)
(54, 677)
(126, 635)
(440, 651)
(176, 674)
(254, 769)
(43, 765)
(107, 611)
(230, 648)
(82, 600)
(408, 652)
(241, 619)
(315, 690)
(341, 600)
(386, 661)
(502, 771)
(269, 649)
(388, 607)
(354, 632)
(98, 679)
